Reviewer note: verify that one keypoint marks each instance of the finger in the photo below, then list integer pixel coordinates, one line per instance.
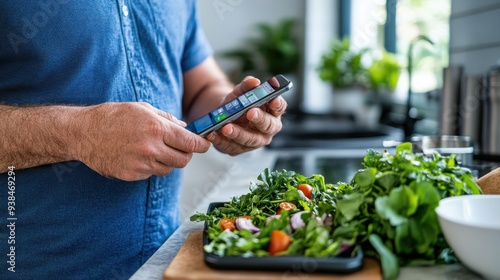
(183, 140)
(145, 170)
(131, 177)
(164, 114)
(221, 142)
(171, 158)
(245, 137)
(140, 170)
(277, 106)
(226, 145)
(264, 122)
(171, 118)
(160, 169)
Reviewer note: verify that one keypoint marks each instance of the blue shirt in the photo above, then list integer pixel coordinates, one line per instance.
(71, 222)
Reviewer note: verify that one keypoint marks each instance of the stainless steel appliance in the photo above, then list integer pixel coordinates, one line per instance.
(491, 115)
(472, 109)
(450, 101)
(470, 106)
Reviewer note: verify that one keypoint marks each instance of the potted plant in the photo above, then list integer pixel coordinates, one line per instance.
(357, 74)
(342, 66)
(274, 51)
(383, 73)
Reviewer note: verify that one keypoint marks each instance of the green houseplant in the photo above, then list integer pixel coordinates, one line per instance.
(345, 67)
(342, 66)
(273, 51)
(357, 77)
(383, 73)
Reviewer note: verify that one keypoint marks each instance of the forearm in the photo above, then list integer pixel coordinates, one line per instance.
(205, 88)
(33, 136)
(208, 98)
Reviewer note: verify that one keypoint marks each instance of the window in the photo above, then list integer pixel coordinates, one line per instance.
(429, 18)
(393, 24)
(367, 23)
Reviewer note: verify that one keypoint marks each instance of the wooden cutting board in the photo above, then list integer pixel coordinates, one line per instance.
(490, 183)
(189, 264)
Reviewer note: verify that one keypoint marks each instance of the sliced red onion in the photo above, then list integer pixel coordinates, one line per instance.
(273, 217)
(296, 220)
(344, 247)
(244, 223)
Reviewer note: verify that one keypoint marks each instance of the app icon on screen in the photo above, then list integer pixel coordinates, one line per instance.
(244, 101)
(251, 96)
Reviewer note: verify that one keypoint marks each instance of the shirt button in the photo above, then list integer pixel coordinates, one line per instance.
(125, 10)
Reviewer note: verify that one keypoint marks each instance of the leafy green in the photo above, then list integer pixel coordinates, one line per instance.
(387, 209)
(401, 192)
(349, 205)
(388, 260)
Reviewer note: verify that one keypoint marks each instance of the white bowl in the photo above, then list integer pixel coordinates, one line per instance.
(471, 225)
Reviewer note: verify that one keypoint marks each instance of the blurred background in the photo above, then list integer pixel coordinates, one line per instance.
(235, 30)
(367, 73)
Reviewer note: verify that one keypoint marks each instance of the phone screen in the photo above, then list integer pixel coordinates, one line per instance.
(236, 106)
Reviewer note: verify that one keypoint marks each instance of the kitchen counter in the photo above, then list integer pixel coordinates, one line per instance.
(234, 181)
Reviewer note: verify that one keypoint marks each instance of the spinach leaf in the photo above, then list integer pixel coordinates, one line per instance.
(387, 258)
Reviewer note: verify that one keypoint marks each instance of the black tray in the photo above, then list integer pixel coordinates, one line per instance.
(282, 263)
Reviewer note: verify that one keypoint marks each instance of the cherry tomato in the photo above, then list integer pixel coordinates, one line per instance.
(279, 242)
(286, 206)
(227, 224)
(306, 189)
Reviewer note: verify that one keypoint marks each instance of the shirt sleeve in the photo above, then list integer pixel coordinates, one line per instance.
(196, 46)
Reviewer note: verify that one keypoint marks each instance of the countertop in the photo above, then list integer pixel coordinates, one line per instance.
(235, 181)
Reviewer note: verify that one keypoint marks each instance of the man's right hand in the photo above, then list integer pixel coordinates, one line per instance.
(132, 141)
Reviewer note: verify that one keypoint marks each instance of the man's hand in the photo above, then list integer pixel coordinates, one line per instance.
(132, 141)
(254, 129)
(206, 87)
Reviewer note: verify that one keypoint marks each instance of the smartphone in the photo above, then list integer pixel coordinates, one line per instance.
(233, 109)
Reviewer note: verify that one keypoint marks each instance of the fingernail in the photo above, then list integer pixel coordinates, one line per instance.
(278, 105)
(255, 115)
(210, 137)
(182, 123)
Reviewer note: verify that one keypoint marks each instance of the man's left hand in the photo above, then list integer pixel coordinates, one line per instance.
(254, 129)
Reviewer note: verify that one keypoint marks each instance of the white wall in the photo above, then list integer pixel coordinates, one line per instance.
(228, 22)
(320, 28)
(474, 36)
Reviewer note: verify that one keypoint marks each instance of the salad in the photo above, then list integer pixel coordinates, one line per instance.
(387, 210)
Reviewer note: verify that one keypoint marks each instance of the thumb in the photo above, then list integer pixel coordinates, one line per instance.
(246, 85)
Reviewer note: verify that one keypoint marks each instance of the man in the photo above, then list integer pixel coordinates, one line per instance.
(92, 94)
